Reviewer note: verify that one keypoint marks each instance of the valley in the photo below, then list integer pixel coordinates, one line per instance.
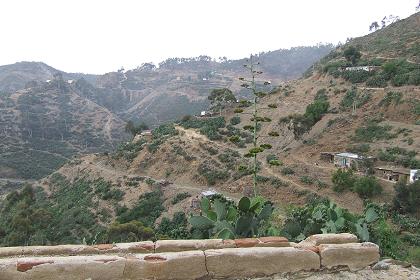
(96, 184)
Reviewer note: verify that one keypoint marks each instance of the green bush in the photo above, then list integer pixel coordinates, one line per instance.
(407, 197)
(211, 173)
(133, 231)
(180, 197)
(373, 131)
(377, 81)
(146, 210)
(287, 171)
(367, 187)
(343, 180)
(177, 228)
(235, 120)
(391, 98)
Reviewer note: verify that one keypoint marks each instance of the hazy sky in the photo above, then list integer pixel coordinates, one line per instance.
(97, 36)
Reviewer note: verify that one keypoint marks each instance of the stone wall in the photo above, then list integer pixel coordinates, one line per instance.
(186, 259)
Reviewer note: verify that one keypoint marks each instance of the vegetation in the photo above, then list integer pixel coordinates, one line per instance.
(365, 186)
(373, 131)
(133, 129)
(407, 197)
(223, 219)
(180, 197)
(323, 216)
(207, 126)
(399, 156)
(313, 113)
(220, 98)
(257, 119)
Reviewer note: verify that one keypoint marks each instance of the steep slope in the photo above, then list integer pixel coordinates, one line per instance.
(43, 126)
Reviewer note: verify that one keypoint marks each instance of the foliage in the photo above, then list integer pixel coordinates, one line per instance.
(273, 160)
(105, 191)
(180, 197)
(160, 134)
(135, 129)
(313, 113)
(207, 126)
(391, 97)
(220, 98)
(399, 156)
(224, 219)
(132, 231)
(287, 171)
(235, 120)
(367, 186)
(177, 228)
(129, 150)
(147, 209)
(343, 180)
(352, 54)
(257, 119)
(373, 131)
(323, 216)
(211, 173)
(354, 99)
(407, 197)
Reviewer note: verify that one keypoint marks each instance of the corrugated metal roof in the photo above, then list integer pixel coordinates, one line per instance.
(349, 155)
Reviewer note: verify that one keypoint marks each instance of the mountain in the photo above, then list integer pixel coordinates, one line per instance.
(197, 153)
(355, 99)
(49, 115)
(15, 76)
(44, 125)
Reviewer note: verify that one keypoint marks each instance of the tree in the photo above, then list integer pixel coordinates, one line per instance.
(407, 197)
(352, 54)
(257, 119)
(343, 180)
(367, 186)
(374, 26)
(220, 98)
(133, 129)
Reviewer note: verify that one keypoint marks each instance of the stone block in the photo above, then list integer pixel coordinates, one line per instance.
(355, 256)
(259, 261)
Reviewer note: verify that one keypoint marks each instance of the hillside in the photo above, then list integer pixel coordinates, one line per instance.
(43, 126)
(146, 187)
(35, 143)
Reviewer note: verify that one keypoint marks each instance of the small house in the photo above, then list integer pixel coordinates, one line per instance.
(414, 175)
(327, 156)
(347, 160)
(146, 134)
(393, 174)
(208, 193)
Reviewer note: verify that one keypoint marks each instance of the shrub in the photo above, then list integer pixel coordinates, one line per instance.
(373, 131)
(235, 120)
(180, 197)
(377, 81)
(307, 180)
(343, 180)
(287, 171)
(148, 208)
(391, 97)
(367, 187)
(407, 197)
(273, 160)
(356, 76)
(128, 232)
(211, 173)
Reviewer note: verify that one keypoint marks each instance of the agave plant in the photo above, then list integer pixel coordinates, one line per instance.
(221, 219)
